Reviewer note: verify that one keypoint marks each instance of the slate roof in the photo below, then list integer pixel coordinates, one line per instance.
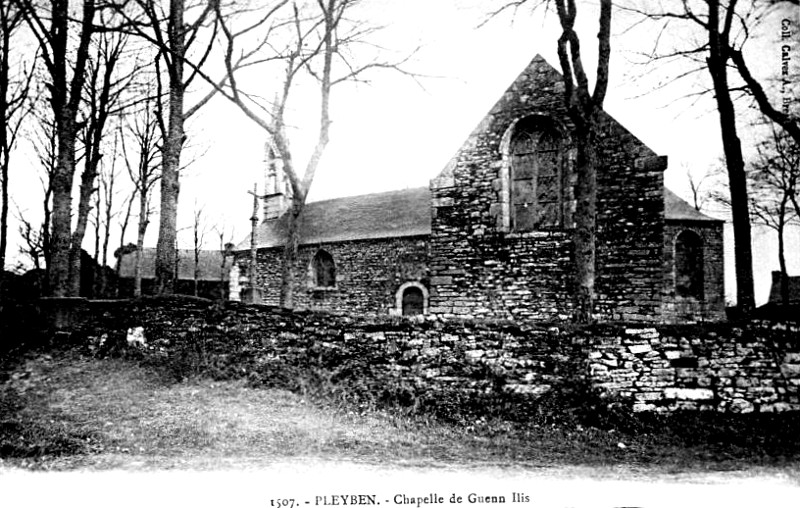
(392, 214)
(677, 209)
(209, 264)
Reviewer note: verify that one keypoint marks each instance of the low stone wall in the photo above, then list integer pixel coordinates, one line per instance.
(427, 354)
(700, 367)
(710, 367)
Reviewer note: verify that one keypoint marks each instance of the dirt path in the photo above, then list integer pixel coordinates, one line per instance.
(310, 483)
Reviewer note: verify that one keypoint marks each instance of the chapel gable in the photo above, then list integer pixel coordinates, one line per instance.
(503, 213)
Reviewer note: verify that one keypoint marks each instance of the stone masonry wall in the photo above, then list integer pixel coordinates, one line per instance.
(710, 367)
(368, 274)
(630, 222)
(692, 367)
(472, 245)
(712, 306)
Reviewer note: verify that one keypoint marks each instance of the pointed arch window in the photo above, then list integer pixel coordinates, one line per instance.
(536, 176)
(323, 270)
(689, 276)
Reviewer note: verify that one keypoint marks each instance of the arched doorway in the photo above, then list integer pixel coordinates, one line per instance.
(413, 301)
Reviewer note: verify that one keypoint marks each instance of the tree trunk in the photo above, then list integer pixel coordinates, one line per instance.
(47, 250)
(13, 107)
(290, 254)
(585, 218)
(167, 233)
(106, 239)
(65, 100)
(97, 229)
(166, 259)
(717, 66)
(782, 263)
(3, 221)
(61, 218)
(796, 206)
(196, 269)
(222, 290)
(107, 231)
(137, 270)
(782, 250)
(141, 230)
(3, 217)
(583, 107)
(740, 212)
(4, 145)
(84, 207)
(98, 285)
(123, 230)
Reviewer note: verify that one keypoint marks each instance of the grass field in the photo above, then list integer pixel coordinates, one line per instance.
(62, 410)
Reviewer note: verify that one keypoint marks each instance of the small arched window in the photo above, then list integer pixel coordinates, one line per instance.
(323, 270)
(536, 175)
(412, 299)
(689, 265)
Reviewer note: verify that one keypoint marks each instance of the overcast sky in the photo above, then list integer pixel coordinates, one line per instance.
(396, 133)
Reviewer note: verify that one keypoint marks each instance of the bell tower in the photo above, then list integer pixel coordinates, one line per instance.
(278, 189)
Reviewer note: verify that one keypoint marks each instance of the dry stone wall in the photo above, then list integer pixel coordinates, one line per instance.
(755, 368)
(700, 367)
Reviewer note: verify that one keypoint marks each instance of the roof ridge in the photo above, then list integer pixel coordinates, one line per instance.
(381, 193)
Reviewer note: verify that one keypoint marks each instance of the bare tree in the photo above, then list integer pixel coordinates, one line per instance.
(719, 36)
(584, 107)
(728, 26)
(319, 39)
(737, 22)
(104, 213)
(108, 179)
(180, 46)
(724, 27)
(198, 236)
(44, 138)
(15, 85)
(145, 135)
(125, 217)
(104, 96)
(697, 188)
(780, 114)
(33, 245)
(97, 222)
(65, 62)
(226, 251)
(123, 229)
(773, 181)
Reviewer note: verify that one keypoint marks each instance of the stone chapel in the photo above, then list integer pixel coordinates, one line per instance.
(491, 236)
